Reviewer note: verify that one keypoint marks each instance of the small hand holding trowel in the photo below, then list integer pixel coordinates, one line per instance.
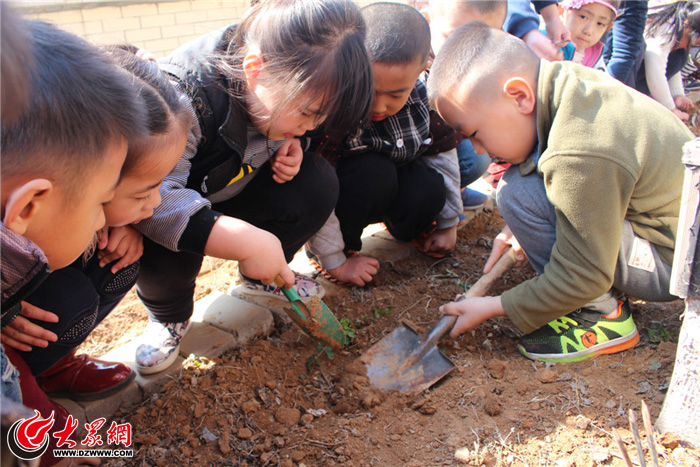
(406, 361)
(314, 317)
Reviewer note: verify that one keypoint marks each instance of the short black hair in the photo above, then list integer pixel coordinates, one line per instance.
(396, 34)
(164, 105)
(80, 104)
(476, 55)
(16, 63)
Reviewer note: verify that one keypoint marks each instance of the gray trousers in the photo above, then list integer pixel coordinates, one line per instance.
(529, 214)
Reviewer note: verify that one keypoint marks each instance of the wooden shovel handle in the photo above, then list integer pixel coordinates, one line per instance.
(479, 289)
(280, 282)
(485, 282)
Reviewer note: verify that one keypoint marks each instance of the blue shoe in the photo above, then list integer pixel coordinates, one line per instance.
(472, 199)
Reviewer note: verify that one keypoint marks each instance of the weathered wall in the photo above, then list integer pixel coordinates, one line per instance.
(158, 26)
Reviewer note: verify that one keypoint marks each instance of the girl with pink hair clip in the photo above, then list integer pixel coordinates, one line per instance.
(588, 21)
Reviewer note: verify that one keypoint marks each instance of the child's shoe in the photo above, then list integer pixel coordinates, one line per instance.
(160, 343)
(574, 337)
(305, 287)
(472, 199)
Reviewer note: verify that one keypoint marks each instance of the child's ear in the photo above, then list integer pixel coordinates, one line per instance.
(523, 96)
(252, 65)
(24, 203)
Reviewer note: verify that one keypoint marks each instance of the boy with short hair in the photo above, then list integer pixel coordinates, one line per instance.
(445, 16)
(396, 170)
(61, 161)
(595, 207)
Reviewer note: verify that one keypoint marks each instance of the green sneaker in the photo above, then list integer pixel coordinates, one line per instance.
(573, 337)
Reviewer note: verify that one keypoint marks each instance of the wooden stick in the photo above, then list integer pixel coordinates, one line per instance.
(623, 449)
(651, 439)
(637, 440)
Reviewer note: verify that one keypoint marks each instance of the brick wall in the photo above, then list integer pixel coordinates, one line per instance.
(158, 26)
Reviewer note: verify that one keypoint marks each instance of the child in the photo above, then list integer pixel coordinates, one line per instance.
(61, 160)
(382, 170)
(588, 21)
(589, 207)
(242, 190)
(82, 294)
(445, 17)
(670, 32)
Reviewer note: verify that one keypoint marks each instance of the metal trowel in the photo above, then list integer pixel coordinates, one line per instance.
(408, 362)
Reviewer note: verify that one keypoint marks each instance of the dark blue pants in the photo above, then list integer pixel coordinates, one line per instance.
(407, 198)
(293, 211)
(82, 295)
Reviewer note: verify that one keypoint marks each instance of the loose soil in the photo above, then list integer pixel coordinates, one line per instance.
(286, 401)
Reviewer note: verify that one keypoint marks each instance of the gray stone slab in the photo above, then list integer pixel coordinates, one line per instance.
(124, 399)
(203, 339)
(74, 408)
(245, 320)
(274, 305)
(384, 249)
(148, 384)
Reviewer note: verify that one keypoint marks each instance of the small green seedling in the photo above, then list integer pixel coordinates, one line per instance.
(314, 360)
(349, 331)
(379, 312)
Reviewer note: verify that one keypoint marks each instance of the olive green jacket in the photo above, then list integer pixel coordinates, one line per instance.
(607, 153)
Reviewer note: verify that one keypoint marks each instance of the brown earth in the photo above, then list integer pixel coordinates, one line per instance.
(285, 401)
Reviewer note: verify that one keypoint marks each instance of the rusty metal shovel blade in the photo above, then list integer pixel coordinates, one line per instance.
(408, 362)
(404, 361)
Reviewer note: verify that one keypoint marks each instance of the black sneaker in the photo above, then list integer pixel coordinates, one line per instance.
(580, 335)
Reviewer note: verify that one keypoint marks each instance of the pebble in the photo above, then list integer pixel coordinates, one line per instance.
(297, 456)
(546, 376)
(395, 437)
(245, 433)
(288, 416)
(307, 419)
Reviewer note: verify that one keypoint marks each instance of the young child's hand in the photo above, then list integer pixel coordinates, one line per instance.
(266, 259)
(22, 334)
(471, 312)
(440, 242)
(557, 31)
(542, 46)
(357, 270)
(683, 102)
(501, 243)
(680, 114)
(287, 160)
(119, 242)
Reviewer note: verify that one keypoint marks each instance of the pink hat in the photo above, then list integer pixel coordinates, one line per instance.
(577, 4)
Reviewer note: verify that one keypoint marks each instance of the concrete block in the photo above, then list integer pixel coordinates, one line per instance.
(187, 17)
(386, 250)
(274, 305)
(148, 383)
(243, 319)
(173, 7)
(229, 14)
(156, 21)
(126, 398)
(92, 27)
(121, 24)
(138, 10)
(143, 34)
(177, 30)
(61, 17)
(205, 340)
(102, 13)
(161, 47)
(75, 409)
